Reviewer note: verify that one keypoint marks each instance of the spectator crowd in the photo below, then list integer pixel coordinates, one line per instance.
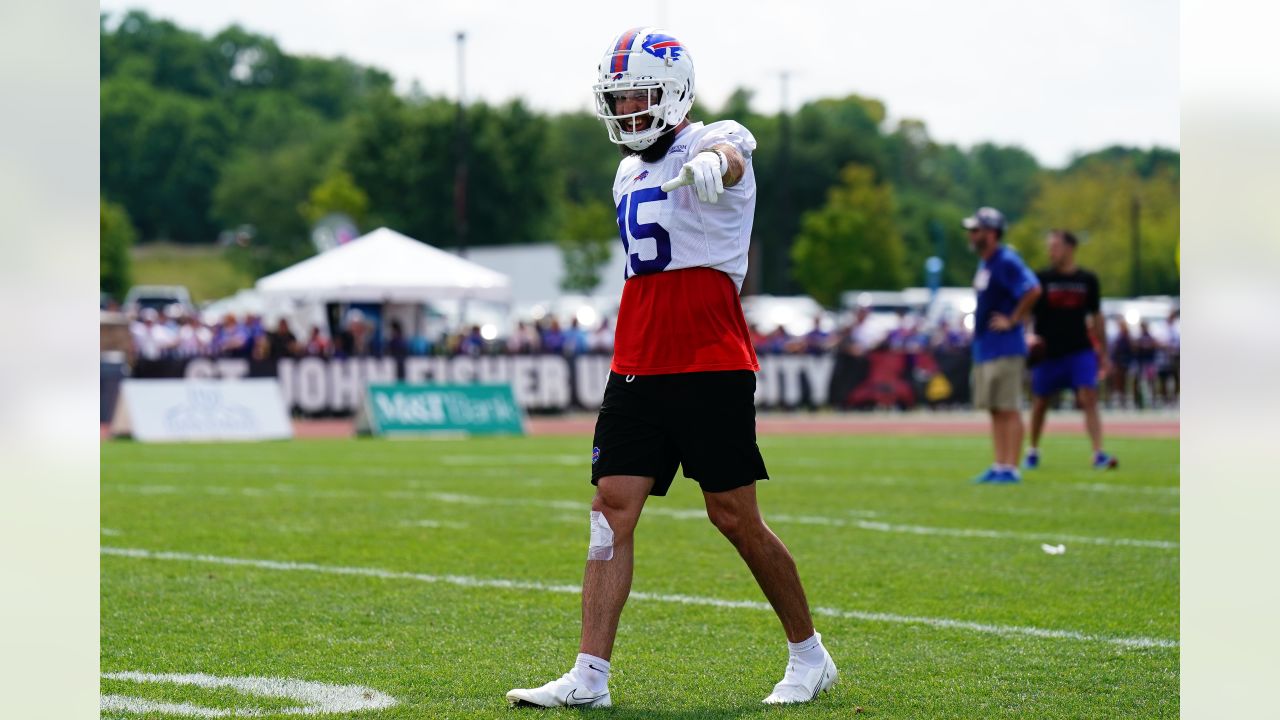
(1145, 370)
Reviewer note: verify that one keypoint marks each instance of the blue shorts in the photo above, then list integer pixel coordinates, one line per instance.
(1077, 370)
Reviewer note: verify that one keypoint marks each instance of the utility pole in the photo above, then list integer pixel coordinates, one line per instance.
(781, 254)
(460, 156)
(1135, 239)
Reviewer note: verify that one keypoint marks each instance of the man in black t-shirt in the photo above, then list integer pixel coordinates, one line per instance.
(1071, 336)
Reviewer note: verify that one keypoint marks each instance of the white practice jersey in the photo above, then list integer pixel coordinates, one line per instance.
(672, 231)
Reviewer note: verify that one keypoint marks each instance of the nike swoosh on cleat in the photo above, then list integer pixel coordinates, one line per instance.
(581, 701)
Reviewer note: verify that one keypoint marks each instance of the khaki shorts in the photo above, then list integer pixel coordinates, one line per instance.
(997, 384)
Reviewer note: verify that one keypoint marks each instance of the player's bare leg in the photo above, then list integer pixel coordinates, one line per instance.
(810, 669)
(1013, 436)
(998, 435)
(1006, 435)
(607, 583)
(1088, 399)
(737, 516)
(1039, 409)
(605, 587)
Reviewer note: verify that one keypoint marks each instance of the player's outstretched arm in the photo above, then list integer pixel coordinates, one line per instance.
(710, 172)
(737, 167)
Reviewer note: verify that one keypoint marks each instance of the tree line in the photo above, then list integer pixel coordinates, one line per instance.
(228, 135)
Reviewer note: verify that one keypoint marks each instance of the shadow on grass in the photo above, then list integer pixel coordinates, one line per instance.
(710, 712)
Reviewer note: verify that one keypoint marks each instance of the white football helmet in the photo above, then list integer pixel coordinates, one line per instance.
(645, 59)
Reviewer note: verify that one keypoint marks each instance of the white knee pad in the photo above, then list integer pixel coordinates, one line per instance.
(601, 547)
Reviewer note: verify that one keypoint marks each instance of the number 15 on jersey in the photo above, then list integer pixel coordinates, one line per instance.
(631, 229)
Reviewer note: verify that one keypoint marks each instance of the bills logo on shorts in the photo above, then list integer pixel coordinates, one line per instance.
(663, 47)
(595, 455)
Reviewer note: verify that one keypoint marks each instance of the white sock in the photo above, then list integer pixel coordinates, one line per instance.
(594, 671)
(808, 652)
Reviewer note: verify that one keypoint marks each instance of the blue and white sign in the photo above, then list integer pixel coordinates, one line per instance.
(202, 410)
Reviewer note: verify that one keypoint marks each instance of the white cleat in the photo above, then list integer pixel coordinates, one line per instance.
(568, 691)
(802, 683)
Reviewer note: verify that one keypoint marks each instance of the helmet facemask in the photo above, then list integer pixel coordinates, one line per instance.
(644, 60)
(665, 108)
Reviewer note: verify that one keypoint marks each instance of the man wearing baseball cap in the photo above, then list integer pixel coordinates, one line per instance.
(1007, 293)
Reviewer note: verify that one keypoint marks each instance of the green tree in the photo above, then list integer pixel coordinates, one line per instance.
(265, 192)
(589, 231)
(338, 192)
(267, 119)
(1095, 200)
(796, 171)
(116, 237)
(587, 159)
(932, 227)
(177, 107)
(248, 61)
(1003, 177)
(1146, 163)
(403, 155)
(161, 156)
(176, 60)
(852, 241)
(336, 87)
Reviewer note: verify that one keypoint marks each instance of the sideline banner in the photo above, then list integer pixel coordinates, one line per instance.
(201, 410)
(400, 409)
(330, 387)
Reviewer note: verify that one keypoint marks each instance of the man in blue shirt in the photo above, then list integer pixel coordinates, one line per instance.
(1007, 293)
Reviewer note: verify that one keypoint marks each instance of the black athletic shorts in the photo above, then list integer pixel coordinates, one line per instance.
(704, 421)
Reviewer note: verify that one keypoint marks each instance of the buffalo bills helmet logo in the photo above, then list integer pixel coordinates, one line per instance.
(663, 46)
(595, 455)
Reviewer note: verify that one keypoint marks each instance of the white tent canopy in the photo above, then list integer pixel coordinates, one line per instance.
(385, 266)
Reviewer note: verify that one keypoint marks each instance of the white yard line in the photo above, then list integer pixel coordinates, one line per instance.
(479, 464)
(1006, 534)
(316, 697)
(475, 582)
(485, 465)
(699, 514)
(1111, 487)
(583, 459)
(446, 524)
(688, 514)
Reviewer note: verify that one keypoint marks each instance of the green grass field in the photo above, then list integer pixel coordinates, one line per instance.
(204, 269)
(382, 564)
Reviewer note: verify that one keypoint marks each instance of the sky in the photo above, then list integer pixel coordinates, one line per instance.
(1057, 79)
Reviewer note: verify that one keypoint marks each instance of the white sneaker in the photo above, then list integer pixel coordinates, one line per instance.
(568, 691)
(802, 683)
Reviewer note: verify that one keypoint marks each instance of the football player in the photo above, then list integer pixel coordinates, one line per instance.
(681, 391)
(1070, 328)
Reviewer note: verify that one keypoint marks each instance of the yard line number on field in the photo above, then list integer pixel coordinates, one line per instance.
(316, 698)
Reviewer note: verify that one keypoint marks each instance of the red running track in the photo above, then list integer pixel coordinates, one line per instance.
(1152, 425)
(1136, 425)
